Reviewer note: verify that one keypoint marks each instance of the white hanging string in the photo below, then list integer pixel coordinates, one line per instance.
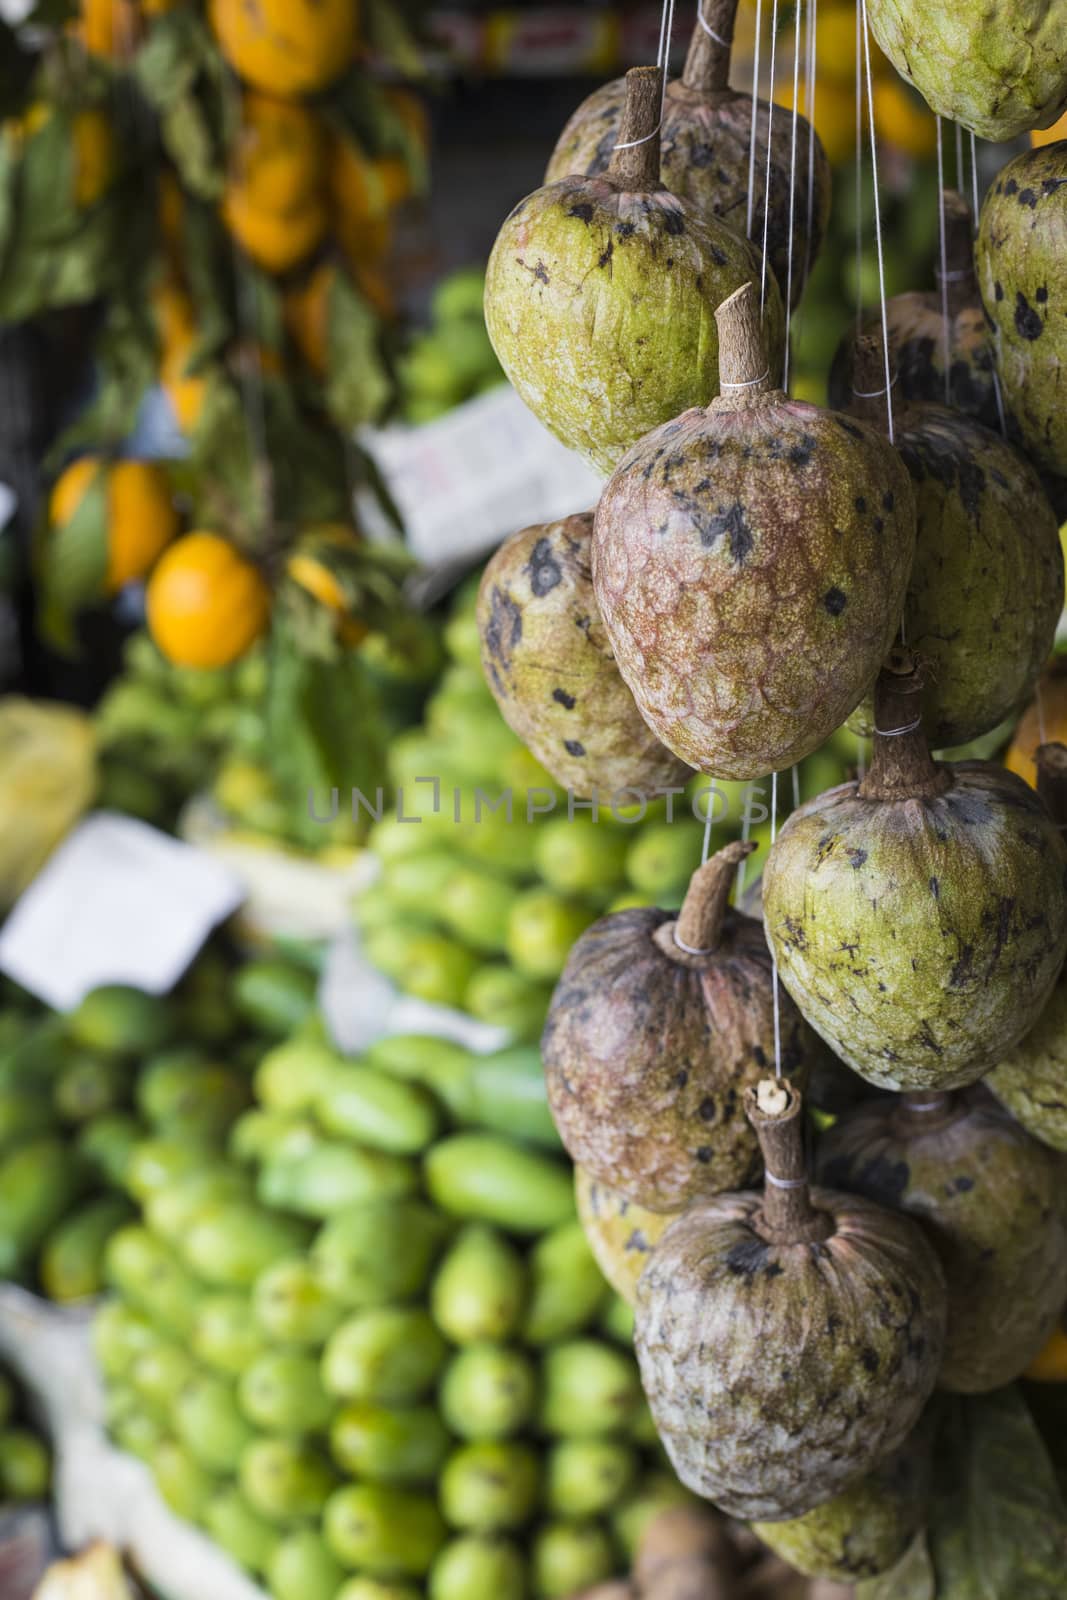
(878, 221)
(961, 182)
(859, 173)
(663, 61)
(774, 956)
(754, 123)
(708, 823)
(708, 29)
(809, 107)
(770, 149)
(792, 192)
(944, 261)
(974, 180)
(746, 829)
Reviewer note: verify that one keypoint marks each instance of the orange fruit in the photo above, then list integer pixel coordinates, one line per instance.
(1043, 721)
(206, 603)
(141, 520)
(309, 564)
(835, 116)
(903, 119)
(278, 161)
(1051, 135)
(94, 156)
(70, 488)
(365, 193)
(108, 28)
(1050, 1366)
(307, 311)
(287, 47)
(276, 240)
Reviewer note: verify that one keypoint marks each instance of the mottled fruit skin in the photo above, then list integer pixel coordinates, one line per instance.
(999, 69)
(917, 357)
(548, 662)
(991, 1202)
(777, 1375)
(920, 937)
(865, 1529)
(1031, 1079)
(646, 1060)
(705, 153)
(751, 566)
(621, 1234)
(986, 588)
(601, 308)
(1021, 258)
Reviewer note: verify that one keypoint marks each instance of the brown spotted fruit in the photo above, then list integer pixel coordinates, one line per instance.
(706, 153)
(999, 69)
(991, 1200)
(986, 587)
(919, 916)
(1031, 1078)
(621, 1234)
(751, 562)
(788, 1340)
(1021, 255)
(600, 295)
(656, 1025)
(866, 1529)
(939, 342)
(547, 660)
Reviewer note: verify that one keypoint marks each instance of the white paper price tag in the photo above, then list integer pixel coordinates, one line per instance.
(119, 902)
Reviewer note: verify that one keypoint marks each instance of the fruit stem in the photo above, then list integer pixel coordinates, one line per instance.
(960, 280)
(707, 66)
(696, 933)
(926, 1110)
(902, 767)
(869, 398)
(1051, 761)
(775, 1109)
(744, 370)
(635, 161)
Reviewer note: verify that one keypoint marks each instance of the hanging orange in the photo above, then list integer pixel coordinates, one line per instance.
(307, 315)
(287, 47)
(1045, 720)
(365, 193)
(108, 28)
(137, 512)
(206, 603)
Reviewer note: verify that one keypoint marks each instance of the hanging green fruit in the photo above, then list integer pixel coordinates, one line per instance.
(919, 916)
(986, 590)
(707, 152)
(655, 1028)
(789, 1340)
(1023, 278)
(750, 562)
(949, 362)
(601, 292)
(621, 1234)
(547, 660)
(999, 71)
(990, 1200)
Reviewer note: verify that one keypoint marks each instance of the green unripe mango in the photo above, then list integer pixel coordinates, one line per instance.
(88, 1086)
(259, 1135)
(490, 1485)
(571, 1556)
(172, 1210)
(8, 1398)
(302, 1568)
(39, 1182)
(132, 1426)
(617, 1320)
(25, 1113)
(186, 1487)
(498, 994)
(566, 1286)
(588, 1477)
(193, 1101)
(479, 1289)
(375, 1109)
(144, 1269)
(542, 927)
(488, 1391)
(389, 1445)
(282, 1393)
(507, 1095)
(386, 1355)
(291, 1306)
(106, 1145)
(224, 1335)
(418, 1057)
(476, 907)
(119, 1334)
(274, 996)
(375, 1253)
(25, 1465)
(291, 1076)
(581, 856)
(488, 1179)
(589, 1389)
(378, 1589)
(235, 1242)
(473, 1568)
(386, 1532)
(662, 857)
(331, 1178)
(160, 1372)
(246, 1536)
(157, 1162)
(490, 840)
(414, 884)
(119, 1020)
(208, 1422)
(285, 1479)
(71, 1265)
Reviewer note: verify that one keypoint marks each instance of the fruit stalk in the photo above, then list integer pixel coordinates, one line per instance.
(696, 933)
(901, 767)
(1051, 762)
(926, 1110)
(961, 283)
(707, 66)
(635, 160)
(870, 400)
(744, 369)
(775, 1110)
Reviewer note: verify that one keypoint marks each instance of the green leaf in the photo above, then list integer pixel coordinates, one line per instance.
(72, 561)
(392, 37)
(181, 75)
(358, 387)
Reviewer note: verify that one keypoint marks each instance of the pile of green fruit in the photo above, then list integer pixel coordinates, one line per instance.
(25, 1463)
(366, 1347)
(96, 1104)
(452, 360)
(478, 911)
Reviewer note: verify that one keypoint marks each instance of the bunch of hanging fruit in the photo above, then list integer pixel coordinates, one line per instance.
(830, 1307)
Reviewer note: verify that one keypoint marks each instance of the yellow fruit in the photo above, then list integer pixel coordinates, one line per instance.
(141, 520)
(903, 118)
(365, 193)
(835, 117)
(1044, 721)
(1051, 1365)
(309, 565)
(287, 47)
(94, 157)
(276, 240)
(70, 488)
(206, 604)
(307, 309)
(279, 157)
(174, 315)
(108, 28)
(1051, 135)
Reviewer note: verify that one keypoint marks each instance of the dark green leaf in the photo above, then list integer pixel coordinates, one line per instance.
(358, 387)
